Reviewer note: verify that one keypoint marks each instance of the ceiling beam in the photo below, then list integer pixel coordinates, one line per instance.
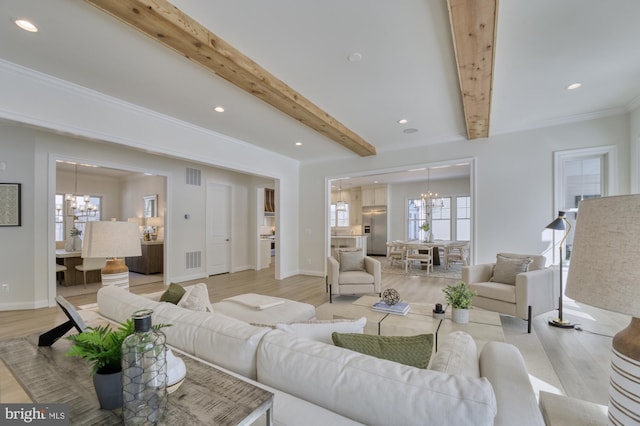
(473, 27)
(165, 23)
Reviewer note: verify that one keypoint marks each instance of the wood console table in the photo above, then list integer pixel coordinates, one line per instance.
(207, 395)
(151, 261)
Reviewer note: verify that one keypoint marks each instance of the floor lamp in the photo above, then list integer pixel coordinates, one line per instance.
(560, 224)
(114, 241)
(605, 273)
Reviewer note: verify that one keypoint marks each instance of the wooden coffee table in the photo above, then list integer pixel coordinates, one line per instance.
(483, 326)
(207, 395)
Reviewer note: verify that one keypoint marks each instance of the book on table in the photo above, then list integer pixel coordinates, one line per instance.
(400, 308)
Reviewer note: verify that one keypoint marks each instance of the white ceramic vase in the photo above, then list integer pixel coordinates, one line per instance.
(460, 316)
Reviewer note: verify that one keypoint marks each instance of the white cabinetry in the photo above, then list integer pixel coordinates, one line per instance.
(374, 196)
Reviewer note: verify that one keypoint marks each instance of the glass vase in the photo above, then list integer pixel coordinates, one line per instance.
(144, 373)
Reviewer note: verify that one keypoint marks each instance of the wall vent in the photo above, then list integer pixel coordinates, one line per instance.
(193, 176)
(193, 259)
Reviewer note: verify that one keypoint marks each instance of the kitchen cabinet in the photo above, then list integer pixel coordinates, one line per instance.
(350, 241)
(265, 253)
(374, 196)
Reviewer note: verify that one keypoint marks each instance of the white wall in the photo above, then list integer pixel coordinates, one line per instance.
(514, 183)
(43, 101)
(30, 157)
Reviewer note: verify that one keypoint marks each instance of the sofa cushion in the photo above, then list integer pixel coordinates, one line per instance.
(214, 337)
(495, 291)
(351, 261)
(320, 330)
(196, 298)
(507, 268)
(173, 294)
(355, 277)
(537, 261)
(457, 354)
(370, 390)
(408, 350)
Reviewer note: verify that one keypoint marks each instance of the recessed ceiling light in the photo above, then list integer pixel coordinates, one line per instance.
(574, 86)
(298, 143)
(376, 181)
(26, 25)
(354, 57)
(218, 109)
(403, 121)
(407, 131)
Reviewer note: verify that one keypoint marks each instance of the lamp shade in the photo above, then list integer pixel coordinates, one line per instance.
(155, 221)
(605, 257)
(111, 239)
(559, 223)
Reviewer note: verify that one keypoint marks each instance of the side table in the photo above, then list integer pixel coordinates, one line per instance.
(207, 395)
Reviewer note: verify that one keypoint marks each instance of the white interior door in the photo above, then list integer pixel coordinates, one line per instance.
(218, 228)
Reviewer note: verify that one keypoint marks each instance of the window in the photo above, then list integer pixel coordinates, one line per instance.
(581, 174)
(415, 219)
(64, 215)
(463, 218)
(443, 215)
(441, 218)
(339, 218)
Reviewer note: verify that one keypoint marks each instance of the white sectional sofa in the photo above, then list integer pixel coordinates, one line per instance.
(320, 384)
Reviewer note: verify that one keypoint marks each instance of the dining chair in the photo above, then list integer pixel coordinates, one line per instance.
(395, 252)
(457, 253)
(419, 253)
(91, 264)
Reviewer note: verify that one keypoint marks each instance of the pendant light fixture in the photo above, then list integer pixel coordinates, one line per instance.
(340, 205)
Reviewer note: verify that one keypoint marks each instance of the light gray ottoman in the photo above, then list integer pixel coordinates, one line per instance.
(258, 309)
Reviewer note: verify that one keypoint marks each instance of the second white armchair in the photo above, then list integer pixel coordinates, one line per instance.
(518, 285)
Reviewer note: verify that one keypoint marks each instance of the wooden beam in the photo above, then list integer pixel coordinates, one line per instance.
(473, 26)
(165, 23)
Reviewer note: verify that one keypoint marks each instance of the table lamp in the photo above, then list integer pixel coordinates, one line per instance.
(605, 273)
(560, 224)
(115, 241)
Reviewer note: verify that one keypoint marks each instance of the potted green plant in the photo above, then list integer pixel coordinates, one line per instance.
(459, 297)
(426, 227)
(102, 347)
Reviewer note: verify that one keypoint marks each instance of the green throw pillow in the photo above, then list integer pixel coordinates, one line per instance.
(409, 350)
(173, 294)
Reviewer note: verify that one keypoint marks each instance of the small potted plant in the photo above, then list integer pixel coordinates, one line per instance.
(459, 297)
(425, 227)
(102, 347)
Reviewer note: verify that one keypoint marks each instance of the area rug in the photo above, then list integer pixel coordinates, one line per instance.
(439, 271)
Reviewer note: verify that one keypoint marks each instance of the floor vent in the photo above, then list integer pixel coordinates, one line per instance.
(193, 176)
(193, 259)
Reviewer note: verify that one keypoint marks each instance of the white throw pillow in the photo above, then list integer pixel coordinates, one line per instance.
(320, 330)
(457, 354)
(196, 298)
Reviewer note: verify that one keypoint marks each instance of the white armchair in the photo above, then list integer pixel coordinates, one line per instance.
(518, 285)
(354, 273)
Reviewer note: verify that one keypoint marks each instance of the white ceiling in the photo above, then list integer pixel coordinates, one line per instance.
(407, 68)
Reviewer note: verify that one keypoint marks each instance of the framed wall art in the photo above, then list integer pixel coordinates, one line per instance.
(10, 204)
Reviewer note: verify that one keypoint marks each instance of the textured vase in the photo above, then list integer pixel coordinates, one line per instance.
(109, 390)
(144, 373)
(460, 316)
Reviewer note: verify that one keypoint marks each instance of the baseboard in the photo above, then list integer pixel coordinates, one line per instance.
(18, 306)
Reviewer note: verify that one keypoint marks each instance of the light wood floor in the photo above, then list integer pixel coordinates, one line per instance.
(579, 358)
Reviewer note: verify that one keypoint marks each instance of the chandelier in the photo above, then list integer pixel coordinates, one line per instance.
(76, 209)
(340, 205)
(429, 198)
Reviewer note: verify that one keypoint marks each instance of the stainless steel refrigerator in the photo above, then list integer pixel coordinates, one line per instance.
(374, 226)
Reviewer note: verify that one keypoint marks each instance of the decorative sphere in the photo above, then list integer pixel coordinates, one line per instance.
(390, 296)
